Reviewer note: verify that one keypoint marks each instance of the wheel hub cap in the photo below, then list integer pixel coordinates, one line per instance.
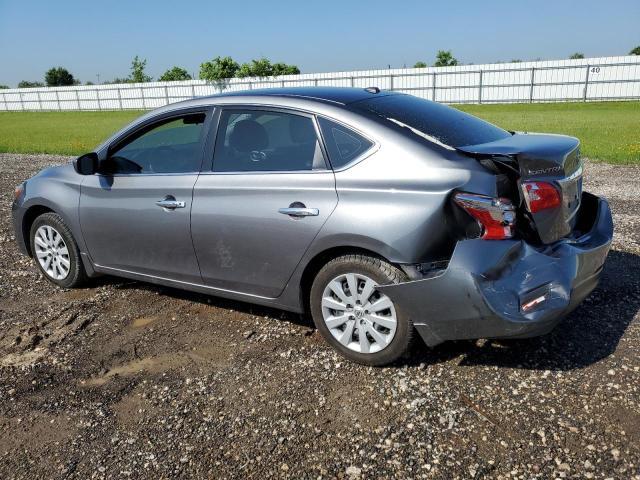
(357, 315)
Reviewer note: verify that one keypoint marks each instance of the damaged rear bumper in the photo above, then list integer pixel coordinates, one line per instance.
(482, 292)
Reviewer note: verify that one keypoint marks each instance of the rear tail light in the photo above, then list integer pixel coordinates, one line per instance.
(540, 196)
(496, 216)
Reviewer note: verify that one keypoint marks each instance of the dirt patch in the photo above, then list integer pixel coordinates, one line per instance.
(143, 321)
(149, 365)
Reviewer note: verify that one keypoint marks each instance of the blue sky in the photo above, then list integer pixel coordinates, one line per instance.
(90, 37)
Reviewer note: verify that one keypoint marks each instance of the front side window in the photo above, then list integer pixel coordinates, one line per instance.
(170, 146)
(260, 140)
(343, 144)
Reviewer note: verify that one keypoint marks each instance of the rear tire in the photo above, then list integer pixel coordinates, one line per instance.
(344, 304)
(55, 251)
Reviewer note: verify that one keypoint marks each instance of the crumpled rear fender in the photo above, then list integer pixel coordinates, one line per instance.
(481, 292)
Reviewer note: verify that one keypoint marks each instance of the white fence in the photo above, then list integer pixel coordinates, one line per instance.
(592, 79)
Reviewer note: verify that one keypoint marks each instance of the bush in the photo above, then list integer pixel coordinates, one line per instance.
(219, 69)
(635, 51)
(576, 56)
(117, 80)
(420, 65)
(285, 69)
(257, 68)
(28, 84)
(222, 68)
(263, 67)
(4, 87)
(175, 74)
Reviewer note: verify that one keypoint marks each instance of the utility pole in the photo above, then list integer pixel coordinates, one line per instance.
(98, 75)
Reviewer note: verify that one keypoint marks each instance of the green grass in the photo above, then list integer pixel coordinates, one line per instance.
(609, 131)
(66, 133)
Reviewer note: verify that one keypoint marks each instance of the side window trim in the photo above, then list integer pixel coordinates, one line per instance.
(375, 146)
(215, 132)
(130, 135)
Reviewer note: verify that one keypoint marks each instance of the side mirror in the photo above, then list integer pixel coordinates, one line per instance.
(86, 164)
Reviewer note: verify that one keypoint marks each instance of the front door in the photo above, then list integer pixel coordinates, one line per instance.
(135, 214)
(268, 194)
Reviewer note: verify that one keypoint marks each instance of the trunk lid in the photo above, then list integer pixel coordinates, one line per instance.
(554, 159)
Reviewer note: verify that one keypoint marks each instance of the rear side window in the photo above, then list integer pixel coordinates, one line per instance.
(343, 144)
(261, 140)
(432, 120)
(169, 146)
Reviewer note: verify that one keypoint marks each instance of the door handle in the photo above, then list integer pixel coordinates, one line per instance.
(299, 211)
(170, 203)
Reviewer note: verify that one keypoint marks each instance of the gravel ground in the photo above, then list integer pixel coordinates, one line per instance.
(125, 379)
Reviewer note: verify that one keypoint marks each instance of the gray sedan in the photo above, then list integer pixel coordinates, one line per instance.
(384, 216)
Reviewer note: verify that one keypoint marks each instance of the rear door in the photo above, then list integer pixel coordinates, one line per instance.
(267, 194)
(135, 213)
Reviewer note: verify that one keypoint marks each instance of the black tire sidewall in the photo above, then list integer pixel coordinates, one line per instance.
(382, 273)
(76, 270)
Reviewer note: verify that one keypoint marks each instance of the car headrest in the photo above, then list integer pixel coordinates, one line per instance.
(301, 130)
(248, 135)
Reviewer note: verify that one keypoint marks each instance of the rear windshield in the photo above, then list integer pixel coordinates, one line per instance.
(434, 121)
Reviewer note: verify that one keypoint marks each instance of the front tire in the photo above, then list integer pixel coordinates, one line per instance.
(362, 324)
(55, 251)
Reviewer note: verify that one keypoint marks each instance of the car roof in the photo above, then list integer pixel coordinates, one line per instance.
(340, 95)
(330, 101)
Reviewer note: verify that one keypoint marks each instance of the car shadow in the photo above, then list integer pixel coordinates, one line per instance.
(219, 302)
(589, 334)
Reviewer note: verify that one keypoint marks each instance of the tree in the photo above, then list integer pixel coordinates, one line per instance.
(4, 87)
(219, 69)
(175, 74)
(28, 84)
(516, 60)
(635, 51)
(576, 56)
(58, 77)
(257, 68)
(444, 58)
(222, 68)
(280, 68)
(138, 74)
(420, 65)
(264, 68)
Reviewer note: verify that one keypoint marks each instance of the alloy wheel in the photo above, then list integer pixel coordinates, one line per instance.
(52, 252)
